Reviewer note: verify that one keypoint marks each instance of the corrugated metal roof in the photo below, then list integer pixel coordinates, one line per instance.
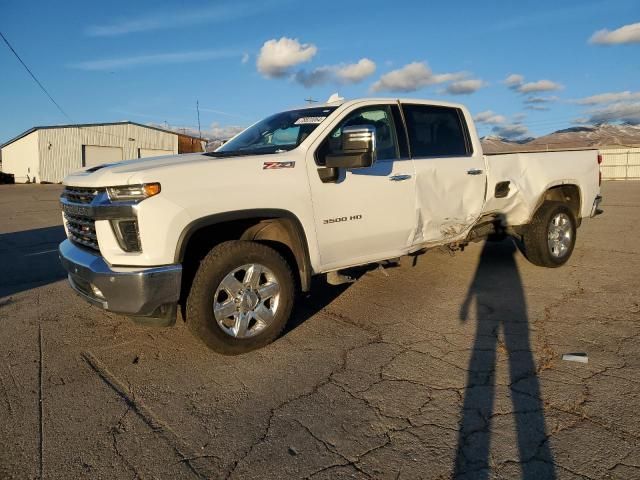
(80, 125)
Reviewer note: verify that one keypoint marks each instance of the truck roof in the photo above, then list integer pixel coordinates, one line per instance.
(423, 101)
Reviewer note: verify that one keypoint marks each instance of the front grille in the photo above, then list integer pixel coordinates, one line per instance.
(81, 194)
(82, 230)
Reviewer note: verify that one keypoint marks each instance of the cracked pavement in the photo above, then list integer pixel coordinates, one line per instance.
(439, 367)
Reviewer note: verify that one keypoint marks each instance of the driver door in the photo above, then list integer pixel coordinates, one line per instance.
(364, 214)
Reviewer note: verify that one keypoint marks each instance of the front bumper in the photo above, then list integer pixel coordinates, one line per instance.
(139, 292)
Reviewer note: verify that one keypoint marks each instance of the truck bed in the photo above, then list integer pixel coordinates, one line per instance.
(530, 173)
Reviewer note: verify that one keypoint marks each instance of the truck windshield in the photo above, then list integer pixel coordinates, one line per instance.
(280, 132)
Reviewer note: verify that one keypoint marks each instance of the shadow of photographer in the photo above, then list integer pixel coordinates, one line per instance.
(501, 313)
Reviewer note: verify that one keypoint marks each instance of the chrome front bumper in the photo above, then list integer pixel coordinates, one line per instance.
(139, 292)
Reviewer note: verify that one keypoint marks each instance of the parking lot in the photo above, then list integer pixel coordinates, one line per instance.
(442, 366)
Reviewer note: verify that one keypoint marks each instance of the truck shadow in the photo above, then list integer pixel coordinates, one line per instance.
(323, 294)
(29, 259)
(502, 325)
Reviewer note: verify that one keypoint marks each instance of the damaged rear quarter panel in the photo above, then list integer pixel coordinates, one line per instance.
(532, 174)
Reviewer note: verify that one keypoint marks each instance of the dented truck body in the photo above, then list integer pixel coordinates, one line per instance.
(327, 187)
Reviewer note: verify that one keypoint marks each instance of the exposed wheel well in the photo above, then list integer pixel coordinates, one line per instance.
(283, 234)
(567, 194)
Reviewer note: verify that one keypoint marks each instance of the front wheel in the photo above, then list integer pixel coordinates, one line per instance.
(549, 239)
(241, 297)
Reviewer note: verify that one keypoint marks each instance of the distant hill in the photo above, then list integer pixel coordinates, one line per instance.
(595, 136)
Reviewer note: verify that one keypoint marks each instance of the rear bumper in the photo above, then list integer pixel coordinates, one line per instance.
(140, 292)
(595, 209)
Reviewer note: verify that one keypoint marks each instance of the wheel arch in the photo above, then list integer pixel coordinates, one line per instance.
(276, 227)
(568, 193)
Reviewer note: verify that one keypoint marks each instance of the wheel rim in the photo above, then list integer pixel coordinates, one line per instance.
(560, 235)
(246, 301)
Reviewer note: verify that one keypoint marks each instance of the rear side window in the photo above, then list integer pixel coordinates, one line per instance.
(436, 131)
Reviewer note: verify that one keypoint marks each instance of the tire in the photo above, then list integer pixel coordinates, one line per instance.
(549, 239)
(249, 313)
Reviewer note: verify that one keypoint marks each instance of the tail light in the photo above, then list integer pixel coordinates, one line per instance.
(599, 171)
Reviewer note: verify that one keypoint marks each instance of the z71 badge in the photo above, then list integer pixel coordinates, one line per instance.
(274, 165)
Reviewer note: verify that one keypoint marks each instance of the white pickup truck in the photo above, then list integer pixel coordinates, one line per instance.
(234, 234)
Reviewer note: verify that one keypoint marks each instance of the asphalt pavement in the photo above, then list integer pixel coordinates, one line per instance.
(440, 367)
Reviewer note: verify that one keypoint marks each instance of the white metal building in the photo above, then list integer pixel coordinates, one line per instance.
(620, 163)
(48, 154)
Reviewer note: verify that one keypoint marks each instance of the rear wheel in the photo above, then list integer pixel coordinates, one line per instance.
(241, 297)
(550, 237)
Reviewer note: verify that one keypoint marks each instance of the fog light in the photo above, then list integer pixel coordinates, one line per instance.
(96, 291)
(127, 234)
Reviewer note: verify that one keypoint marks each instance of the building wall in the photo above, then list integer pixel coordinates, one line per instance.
(61, 148)
(620, 163)
(21, 158)
(189, 144)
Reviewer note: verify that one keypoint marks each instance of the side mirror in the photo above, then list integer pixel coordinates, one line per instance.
(358, 148)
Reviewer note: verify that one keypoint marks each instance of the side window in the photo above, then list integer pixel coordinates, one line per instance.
(379, 117)
(435, 131)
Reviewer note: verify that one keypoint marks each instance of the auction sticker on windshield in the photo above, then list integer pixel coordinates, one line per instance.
(309, 120)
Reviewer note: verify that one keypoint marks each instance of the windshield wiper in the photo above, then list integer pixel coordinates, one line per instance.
(235, 153)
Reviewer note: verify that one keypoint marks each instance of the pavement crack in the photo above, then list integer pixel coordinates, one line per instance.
(180, 447)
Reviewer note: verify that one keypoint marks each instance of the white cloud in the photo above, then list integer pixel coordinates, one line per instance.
(490, 118)
(356, 72)
(516, 82)
(349, 73)
(155, 59)
(540, 108)
(609, 97)
(223, 132)
(412, 77)
(519, 117)
(536, 100)
(627, 112)
(625, 34)
(317, 76)
(513, 130)
(214, 132)
(539, 86)
(465, 87)
(278, 56)
(245, 58)
(182, 18)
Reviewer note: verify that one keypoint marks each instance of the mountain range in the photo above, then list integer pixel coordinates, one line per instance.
(594, 136)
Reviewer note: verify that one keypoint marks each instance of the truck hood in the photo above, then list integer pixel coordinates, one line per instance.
(121, 172)
(169, 168)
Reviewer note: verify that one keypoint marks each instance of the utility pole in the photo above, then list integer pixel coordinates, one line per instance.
(198, 110)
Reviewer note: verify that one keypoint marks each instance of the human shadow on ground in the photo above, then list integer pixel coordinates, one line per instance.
(502, 325)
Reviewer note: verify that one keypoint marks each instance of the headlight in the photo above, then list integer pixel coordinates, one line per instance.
(133, 192)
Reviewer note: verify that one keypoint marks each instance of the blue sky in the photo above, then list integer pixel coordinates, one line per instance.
(149, 62)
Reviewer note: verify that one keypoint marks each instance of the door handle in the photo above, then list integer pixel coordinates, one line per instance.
(399, 178)
(474, 171)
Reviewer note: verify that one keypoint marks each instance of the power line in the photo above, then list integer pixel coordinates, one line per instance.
(34, 77)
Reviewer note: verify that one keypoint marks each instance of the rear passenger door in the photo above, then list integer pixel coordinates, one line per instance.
(450, 176)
